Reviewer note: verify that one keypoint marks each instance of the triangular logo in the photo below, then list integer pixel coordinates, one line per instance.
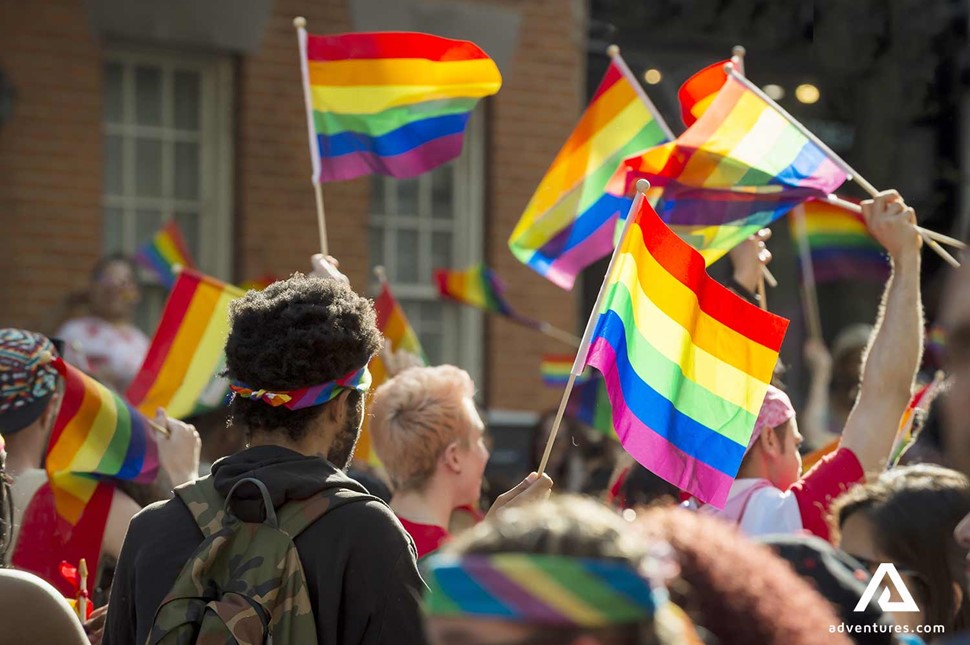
(907, 604)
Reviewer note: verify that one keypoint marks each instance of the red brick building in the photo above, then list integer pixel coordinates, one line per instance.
(116, 115)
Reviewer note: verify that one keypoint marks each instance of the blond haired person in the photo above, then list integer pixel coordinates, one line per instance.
(430, 438)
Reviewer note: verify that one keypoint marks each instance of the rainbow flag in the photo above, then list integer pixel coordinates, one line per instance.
(258, 284)
(96, 435)
(392, 103)
(840, 245)
(570, 220)
(739, 167)
(686, 362)
(698, 92)
(181, 371)
(477, 286)
(555, 369)
(165, 251)
(921, 401)
(399, 337)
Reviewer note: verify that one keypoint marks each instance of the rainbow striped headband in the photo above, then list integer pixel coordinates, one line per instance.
(306, 397)
(544, 589)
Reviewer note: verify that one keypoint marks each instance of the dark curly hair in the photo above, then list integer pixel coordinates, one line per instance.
(296, 333)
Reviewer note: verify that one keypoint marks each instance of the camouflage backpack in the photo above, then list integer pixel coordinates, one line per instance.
(244, 584)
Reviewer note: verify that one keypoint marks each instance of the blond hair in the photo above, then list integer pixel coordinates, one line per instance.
(417, 414)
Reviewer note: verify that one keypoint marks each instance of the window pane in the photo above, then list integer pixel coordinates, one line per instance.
(442, 190)
(432, 331)
(186, 171)
(189, 225)
(407, 256)
(440, 251)
(407, 197)
(113, 97)
(113, 231)
(187, 106)
(147, 223)
(148, 96)
(148, 168)
(113, 166)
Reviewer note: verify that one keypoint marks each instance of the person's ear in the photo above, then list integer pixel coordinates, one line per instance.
(770, 442)
(451, 457)
(337, 409)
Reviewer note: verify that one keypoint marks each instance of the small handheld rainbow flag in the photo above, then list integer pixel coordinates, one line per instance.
(686, 362)
(570, 221)
(181, 371)
(840, 245)
(96, 435)
(921, 401)
(393, 103)
(739, 167)
(698, 92)
(164, 252)
(477, 286)
(555, 369)
(399, 337)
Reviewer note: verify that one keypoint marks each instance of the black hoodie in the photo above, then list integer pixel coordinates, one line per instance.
(359, 561)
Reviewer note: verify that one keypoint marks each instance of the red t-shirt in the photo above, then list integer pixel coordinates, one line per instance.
(427, 537)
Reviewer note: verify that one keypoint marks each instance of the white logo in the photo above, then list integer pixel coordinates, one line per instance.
(907, 604)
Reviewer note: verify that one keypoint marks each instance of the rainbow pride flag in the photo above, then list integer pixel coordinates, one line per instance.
(555, 368)
(165, 251)
(477, 286)
(399, 337)
(96, 435)
(392, 103)
(181, 370)
(698, 92)
(839, 244)
(686, 362)
(570, 221)
(590, 403)
(739, 167)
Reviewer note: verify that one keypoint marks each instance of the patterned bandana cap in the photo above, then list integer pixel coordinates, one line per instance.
(26, 381)
(539, 589)
(307, 397)
(776, 410)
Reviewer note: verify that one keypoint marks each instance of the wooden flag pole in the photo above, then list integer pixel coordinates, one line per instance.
(809, 290)
(836, 159)
(580, 363)
(762, 296)
(939, 237)
(82, 596)
(301, 36)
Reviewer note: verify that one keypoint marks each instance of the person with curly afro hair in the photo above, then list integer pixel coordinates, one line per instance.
(296, 358)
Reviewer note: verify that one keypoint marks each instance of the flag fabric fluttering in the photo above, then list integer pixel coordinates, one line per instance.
(840, 245)
(477, 286)
(698, 92)
(740, 166)
(399, 337)
(921, 402)
(181, 371)
(569, 223)
(96, 436)
(391, 103)
(686, 362)
(165, 252)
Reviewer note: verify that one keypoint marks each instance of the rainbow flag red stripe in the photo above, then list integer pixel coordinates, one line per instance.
(698, 92)
(96, 435)
(477, 286)
(393, 103)
(840, 245)
(686, 361)
(164, 252)
(181, 371)
(740, 166)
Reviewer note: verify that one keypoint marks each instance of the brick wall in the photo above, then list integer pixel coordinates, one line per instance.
(50, 161)
(51, 166)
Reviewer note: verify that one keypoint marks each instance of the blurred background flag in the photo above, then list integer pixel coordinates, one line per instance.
(839, 244)
(164, 252)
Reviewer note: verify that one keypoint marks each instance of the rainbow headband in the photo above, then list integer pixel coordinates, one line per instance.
(539, 589)
(306, 397)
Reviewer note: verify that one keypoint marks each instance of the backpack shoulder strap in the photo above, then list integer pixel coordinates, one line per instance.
(296, 516)
(205, 503)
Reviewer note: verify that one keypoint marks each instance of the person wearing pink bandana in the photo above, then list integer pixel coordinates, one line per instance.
(770, 495)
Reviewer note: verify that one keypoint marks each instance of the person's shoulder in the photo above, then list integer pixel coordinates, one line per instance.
(165, 515)
(367, 521)
(75, 327)
(47, 613)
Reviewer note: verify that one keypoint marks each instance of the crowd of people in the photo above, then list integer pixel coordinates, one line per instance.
(261, 530)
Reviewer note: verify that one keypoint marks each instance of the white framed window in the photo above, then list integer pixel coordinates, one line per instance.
(168, 154)
(428, 222)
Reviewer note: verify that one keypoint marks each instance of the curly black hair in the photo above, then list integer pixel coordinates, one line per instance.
(296, 333)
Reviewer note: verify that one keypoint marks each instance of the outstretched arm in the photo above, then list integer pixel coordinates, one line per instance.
(896, 343)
